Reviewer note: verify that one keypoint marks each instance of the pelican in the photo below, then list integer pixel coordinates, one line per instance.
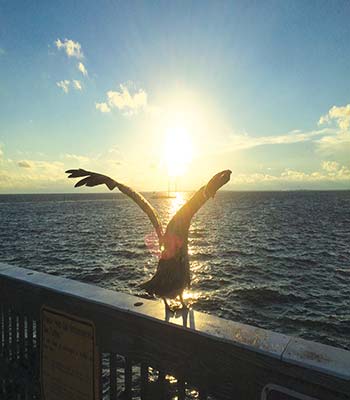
(173, 271)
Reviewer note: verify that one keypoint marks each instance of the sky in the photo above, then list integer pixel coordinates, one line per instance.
(157, 92)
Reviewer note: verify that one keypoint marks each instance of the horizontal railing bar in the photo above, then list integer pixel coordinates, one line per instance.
(245, 336)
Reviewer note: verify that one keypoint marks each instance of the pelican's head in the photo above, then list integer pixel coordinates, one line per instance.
(216, 182)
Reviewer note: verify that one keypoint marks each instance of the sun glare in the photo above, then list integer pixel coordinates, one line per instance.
(177, 150)
(175, 204)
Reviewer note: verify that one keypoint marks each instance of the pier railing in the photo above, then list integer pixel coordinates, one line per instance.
(143, 353)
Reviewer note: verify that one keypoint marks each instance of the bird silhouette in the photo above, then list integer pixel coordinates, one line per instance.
(173, 271)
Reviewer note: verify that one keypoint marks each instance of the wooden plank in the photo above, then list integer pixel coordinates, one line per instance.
(128, 378)
(21, 334)
(6, 348)
(203, 393)
(37, 327)
(161, 384)
(1, 328)
(37, 333)
(6, 329)
(30, 344)
(144, 381)
(181, 388)
(113, 376)
(100, 378)
(14, 347)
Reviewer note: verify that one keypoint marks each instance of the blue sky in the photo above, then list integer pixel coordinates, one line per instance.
(261, 88)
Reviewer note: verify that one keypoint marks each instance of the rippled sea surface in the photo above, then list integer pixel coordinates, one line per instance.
(278, 260)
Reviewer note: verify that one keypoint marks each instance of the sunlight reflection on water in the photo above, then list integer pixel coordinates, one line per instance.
(176, 203)
(276, 260)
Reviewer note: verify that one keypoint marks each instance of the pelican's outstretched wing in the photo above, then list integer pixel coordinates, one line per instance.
(94, 179)
(179, 225)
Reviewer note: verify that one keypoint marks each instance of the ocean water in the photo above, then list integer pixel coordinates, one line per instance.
(278, 260)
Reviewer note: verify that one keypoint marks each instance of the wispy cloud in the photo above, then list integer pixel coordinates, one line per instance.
(103, 107)
(2, 52)
(245, 141)
(24, 164)
(82, 69)
(64, 85)
(337, 142)
(333, 138)
(71, 48)
(330, 171)
(128, 101)
(77, 85)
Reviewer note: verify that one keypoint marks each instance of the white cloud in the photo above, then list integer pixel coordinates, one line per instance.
(82, 69)
(245, 141)
(330, 139)
(125, 101)
(336, 142)
(72, 49)
(331, 172)
(33, 175)
(28, 174)
(339, 115)
(330, 166)
(103, 107)
(64, 85)
(340, 140)
(77, 85)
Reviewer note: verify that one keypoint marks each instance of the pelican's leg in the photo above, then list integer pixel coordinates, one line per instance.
(184, 305)
(167, 307)
(169, 313)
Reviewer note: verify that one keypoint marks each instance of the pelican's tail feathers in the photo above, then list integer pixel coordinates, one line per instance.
(148, 286)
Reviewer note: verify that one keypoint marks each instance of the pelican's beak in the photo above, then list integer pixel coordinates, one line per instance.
(226, 176)
(217, 181)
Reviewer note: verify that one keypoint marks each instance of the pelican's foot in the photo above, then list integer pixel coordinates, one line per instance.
(175, 306)
(168, 307)
(185, 306)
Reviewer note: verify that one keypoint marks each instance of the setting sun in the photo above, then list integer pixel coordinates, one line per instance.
(178, 151)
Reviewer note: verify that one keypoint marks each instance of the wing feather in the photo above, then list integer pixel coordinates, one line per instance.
(93, 179)
(180, 223)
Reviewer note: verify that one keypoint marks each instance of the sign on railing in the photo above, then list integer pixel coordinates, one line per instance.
(68, 357)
